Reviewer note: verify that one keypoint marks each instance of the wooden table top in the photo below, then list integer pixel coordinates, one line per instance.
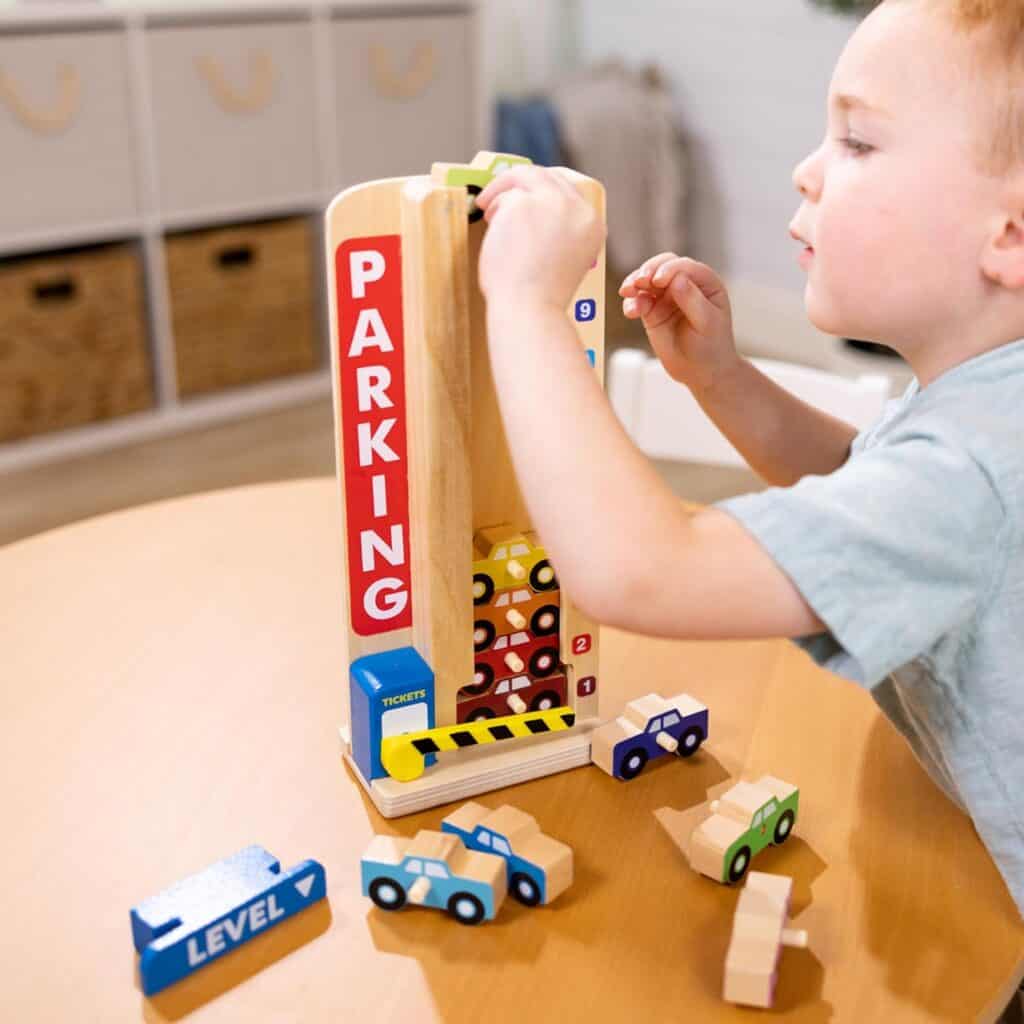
(171, 693)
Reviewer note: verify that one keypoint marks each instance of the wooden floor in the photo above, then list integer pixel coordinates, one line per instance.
(284, 445)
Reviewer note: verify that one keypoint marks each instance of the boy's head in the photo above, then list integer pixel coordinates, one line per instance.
(914, 202)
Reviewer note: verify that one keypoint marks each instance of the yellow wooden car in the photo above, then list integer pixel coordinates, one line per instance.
(505, 558)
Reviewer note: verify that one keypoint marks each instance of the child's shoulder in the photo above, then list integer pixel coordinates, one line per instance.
(969, 418)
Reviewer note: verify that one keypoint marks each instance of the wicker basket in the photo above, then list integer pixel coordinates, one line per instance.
(242, 304)
(72, 340)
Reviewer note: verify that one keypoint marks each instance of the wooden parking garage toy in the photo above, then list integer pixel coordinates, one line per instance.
(758, 934)
(649, 727)
(206, 915)
(743, 821)
(445, 586)
(539, 867)
(434, 870)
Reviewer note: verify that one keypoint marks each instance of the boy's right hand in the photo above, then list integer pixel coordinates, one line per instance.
(685, 310)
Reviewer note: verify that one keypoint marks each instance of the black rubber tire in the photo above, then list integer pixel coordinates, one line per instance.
(547, 695)
(537, 670)
(740, 863)
(478, 908)
(488, 631)
(475, 213)
(537, 628)
(535, 580)
(481, 715)
(633, 763)
(379, 883)
(486, 674)
(525, 889)
(488, 588)
(783, 828)
(688, 751)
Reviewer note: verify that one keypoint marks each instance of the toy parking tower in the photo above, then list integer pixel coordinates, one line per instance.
(467, 667)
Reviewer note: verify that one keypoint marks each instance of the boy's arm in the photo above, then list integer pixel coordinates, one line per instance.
(781, 437)
(625, 547)
(685, 310)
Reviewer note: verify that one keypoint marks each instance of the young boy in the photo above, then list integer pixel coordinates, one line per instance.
(893, 556)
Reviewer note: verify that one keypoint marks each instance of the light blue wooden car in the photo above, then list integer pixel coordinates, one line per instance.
(434, 870)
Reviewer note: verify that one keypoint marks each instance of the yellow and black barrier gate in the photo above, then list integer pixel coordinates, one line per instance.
(403, 756)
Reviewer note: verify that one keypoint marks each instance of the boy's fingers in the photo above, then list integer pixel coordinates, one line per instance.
(709, 283)
(525, 177)
(667, 270)
(693, 303)
(641, 277)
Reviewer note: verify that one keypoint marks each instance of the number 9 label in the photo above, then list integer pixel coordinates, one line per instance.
(586, 310)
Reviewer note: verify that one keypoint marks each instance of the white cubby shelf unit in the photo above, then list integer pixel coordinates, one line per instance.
(360, 91)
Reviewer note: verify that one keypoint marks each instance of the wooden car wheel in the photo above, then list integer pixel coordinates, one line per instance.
(466, 908)
(690, 741)
(542, 576)
(633, 762)
(783, 828)
(544, 701)
(387, 894)
(483, 588)
(543, 662)
(545, 620)
(483, 635)
(524, 889)
(739, 863)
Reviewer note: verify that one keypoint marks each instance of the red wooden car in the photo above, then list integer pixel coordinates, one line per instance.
(536, 694)
(535, 655)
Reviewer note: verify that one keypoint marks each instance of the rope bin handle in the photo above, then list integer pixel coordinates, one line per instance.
(59, 116)
(419, 72)
(233, 257)
(256, 96)
(55, 291)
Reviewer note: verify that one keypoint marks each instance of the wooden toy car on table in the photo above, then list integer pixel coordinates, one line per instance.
(515, 695)
(758, 934)
(649, 727)
(434, 870)
(539, 867)
(744, 820)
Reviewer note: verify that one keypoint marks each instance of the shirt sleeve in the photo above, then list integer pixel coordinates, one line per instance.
(892, 551)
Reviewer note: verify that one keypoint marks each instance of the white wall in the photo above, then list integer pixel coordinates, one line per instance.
(525, 43)
(750, 79)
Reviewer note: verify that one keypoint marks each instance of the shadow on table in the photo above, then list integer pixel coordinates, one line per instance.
(607, 968)
(236, 967)
(911, 813)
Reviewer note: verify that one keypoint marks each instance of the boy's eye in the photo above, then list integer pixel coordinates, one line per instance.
(855, 145)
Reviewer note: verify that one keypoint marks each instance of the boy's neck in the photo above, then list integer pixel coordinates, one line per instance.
(931, 358)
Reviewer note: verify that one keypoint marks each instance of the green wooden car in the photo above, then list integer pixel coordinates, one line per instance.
(477, 175)
(743, 821)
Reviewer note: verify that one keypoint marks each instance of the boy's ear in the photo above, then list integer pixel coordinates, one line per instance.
(1002, 260)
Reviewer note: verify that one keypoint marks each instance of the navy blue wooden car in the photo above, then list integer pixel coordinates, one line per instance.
(649, 727)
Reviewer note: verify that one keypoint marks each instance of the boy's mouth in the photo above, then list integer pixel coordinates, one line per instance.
(807, 254)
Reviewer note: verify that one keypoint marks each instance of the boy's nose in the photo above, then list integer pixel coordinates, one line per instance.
(806, 177)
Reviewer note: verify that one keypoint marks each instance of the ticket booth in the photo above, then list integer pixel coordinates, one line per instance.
(390, 693)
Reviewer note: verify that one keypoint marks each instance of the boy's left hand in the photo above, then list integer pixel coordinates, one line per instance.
(543, 236)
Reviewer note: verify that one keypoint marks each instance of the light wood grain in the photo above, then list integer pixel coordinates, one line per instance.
(171, 691)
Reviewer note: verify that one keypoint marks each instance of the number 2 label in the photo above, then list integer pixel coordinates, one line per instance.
(581, 643)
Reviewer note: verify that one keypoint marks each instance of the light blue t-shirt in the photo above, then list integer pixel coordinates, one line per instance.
(910, 554)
